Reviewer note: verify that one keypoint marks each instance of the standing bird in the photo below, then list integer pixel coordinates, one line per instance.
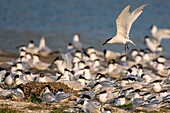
(123, 24)
(43, 49)
(32, 48)
(77, 42)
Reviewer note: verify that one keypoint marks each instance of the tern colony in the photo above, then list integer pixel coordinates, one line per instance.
(103, 79)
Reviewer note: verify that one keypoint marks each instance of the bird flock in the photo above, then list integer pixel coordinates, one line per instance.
(102, 79)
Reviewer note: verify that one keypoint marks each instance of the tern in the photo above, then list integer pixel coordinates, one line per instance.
(48, 96)
(2, 74)
(18, 93)
(61, 95)
(5, 93)
(151, 43)
(32, 48)
(123, 24)
(43, 49)
(8, 80)
(159, 34)
(90, 106)
(77, 42)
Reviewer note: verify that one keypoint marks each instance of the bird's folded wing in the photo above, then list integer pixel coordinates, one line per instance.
(121, 20)
(132, 17)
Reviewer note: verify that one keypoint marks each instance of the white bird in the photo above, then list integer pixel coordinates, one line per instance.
(157, 86)
(39, 64)
(61, 95)
(159, 34)
(32, 48)
(21, 65)
(151, 43)
(22, 47)
(60, 64)
(46, 78)
(5, 93)
(108, 54)
(107, 97)
(123, 24)
(48, 97)
(75, 85)
(138, 59)
(28, 57)
(22, 52)
(13, 69)
(67, 57)
(133, 53)
(41, 78)
(120, 100)
(96, 66)
(147, 78)
(43, 49)
(70, 47)
(2, 74)
(8, 80)
(153, 104)
(19, 80)
(90, 106)
(28, 76)
(18, 93)
(87, 73)
(77, 42)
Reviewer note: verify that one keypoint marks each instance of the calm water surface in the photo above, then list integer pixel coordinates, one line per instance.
(94, 20)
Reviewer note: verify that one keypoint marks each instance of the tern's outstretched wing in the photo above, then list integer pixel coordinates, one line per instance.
(163, 33)
(121, 21)
(132, 17)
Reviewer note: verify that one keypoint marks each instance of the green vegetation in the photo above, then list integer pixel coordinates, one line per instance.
(59, 109)
(5, 108)
(8, 110)
(127, 106)
(35, 99)
(34, 107)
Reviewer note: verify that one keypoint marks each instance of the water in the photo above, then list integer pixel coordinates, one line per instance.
(58, 20)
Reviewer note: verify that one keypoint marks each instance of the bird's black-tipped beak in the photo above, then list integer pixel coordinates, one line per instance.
(104, 43)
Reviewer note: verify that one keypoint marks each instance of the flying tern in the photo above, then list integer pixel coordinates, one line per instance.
(123, 24)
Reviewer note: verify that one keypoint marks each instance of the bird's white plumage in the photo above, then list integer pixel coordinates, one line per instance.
(132, 17)
(124, 23)
(121, 21)
(160, 34)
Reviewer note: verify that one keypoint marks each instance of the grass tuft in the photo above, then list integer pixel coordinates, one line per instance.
(35, 99)
(59, 109)
(8, 110)
(127, 106)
